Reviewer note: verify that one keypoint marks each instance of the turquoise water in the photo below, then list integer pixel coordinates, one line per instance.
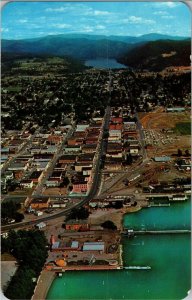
(168, 256)
(175, 216)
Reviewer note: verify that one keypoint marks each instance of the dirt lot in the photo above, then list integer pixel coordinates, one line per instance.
(160, 120)
(114, 215)
(55, 191)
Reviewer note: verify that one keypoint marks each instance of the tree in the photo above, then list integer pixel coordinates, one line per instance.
(179, 153)
(109, 225)
(129, 159)
(187, 152)
(66, 181)
(81, 213)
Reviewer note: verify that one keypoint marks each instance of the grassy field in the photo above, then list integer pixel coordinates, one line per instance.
(15, 199)
(183, 128)
(14, 89)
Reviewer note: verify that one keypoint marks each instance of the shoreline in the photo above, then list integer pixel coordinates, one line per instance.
(43, 285)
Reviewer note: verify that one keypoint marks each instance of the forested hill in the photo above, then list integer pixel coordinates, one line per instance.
(157, 55)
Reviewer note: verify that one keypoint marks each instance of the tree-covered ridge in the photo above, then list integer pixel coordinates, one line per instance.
(158, 55)
(29, 249)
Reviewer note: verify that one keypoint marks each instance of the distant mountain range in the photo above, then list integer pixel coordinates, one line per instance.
(84, 46)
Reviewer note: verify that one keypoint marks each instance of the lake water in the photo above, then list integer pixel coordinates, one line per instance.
(104, 63)
(168, 255)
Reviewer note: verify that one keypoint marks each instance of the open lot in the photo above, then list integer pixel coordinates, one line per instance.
(55, 191)
(163, 120)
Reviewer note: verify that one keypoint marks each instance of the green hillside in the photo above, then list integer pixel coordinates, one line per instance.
(157, 55)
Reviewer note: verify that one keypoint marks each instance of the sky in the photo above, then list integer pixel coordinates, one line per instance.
(21, 20)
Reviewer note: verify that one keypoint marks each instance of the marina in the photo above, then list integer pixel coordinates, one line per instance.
(139, 253)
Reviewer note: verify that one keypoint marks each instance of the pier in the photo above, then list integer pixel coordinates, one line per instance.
(133, 232)
(137, 268)
(159, 204)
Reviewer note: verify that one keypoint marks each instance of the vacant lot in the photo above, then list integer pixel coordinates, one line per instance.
(55, 191)
(158, 121)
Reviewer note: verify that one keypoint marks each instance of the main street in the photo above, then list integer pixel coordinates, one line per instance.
(142, 137)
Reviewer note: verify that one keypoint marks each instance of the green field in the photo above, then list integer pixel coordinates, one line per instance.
(15, 199)
(183, 128)
(14, 89)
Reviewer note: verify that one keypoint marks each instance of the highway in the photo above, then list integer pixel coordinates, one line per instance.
(90, 196)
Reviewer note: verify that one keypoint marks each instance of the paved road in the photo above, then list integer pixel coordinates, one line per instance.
(142, 137)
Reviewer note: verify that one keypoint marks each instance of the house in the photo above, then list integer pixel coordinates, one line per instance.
(81, 184)
(40, 203)
(113, 163)
(86, 158)
(89, 148)
(79, 134)
(91, 140)
(72, 149)
(115, 127)
(54, 139)
(67, 159)
(80, 187)
(77, 225)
